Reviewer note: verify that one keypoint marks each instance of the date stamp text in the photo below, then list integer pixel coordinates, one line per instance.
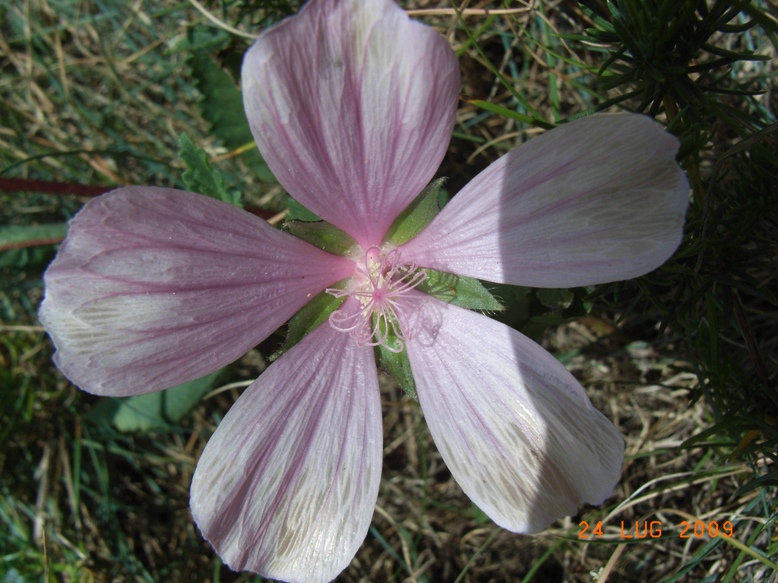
(653, 529)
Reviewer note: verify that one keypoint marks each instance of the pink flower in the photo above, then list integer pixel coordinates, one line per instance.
(352, 105)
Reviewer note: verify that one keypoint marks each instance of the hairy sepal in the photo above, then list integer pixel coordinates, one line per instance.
(418, 214)
(397, 365)
(322, 235)
(310, 317)
(461, 291)
(297, 212)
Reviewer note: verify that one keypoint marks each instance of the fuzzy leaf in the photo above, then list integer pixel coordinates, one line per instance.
(200, 176)
(222, 106)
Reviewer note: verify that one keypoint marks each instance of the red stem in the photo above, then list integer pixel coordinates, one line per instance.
(51, 187)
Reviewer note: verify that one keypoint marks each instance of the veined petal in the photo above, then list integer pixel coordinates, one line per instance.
(154, 287)
(596, 200)
(515, 428)
(287, 485)
(355, 120)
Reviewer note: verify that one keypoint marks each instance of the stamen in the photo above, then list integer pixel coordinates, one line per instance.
(380, 284)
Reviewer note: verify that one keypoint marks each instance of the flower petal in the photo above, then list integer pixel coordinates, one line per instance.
(596, 200)
(154, 287)
(514, 427)
(355, 120)
(287, 485)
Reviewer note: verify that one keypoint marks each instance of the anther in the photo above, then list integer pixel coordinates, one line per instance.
(380, 283)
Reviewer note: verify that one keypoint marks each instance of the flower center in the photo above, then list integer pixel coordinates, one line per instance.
(380, 283)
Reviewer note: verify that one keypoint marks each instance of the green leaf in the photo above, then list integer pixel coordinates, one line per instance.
(13, 576)
(200, 38)
(18, 236)
(556, 299)
(321, 235)
(509, 113)
(26, 258)
(537, 325)
(222, 106)
(461, 291)
(507, 294)
(24, 246)
(418, 214)
(200, 176)
(154, 410)
(533, 311)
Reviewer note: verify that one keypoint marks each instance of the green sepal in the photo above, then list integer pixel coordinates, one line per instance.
(397, 365)
(308, 318)
(297, 212)
(321, 235)
(418, 214)
(200, 177)
(461, 291)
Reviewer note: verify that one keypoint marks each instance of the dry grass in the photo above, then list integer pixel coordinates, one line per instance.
(92, 94)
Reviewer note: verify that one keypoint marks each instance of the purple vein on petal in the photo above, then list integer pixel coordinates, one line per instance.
(596, 200)
(359, 139)
(287, 484)
(514, 427)
(145, 294)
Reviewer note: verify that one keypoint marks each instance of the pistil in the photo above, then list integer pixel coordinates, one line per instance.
(381, 284)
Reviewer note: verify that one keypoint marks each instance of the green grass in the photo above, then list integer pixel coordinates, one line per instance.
(683, 360)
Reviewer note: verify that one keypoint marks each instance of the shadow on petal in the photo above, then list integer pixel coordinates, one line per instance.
(514, 427)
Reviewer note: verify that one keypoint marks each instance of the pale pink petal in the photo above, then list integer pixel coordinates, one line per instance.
(352, 105)
(154, 287)
(514, 427)
(287, 485)
(596, 200)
